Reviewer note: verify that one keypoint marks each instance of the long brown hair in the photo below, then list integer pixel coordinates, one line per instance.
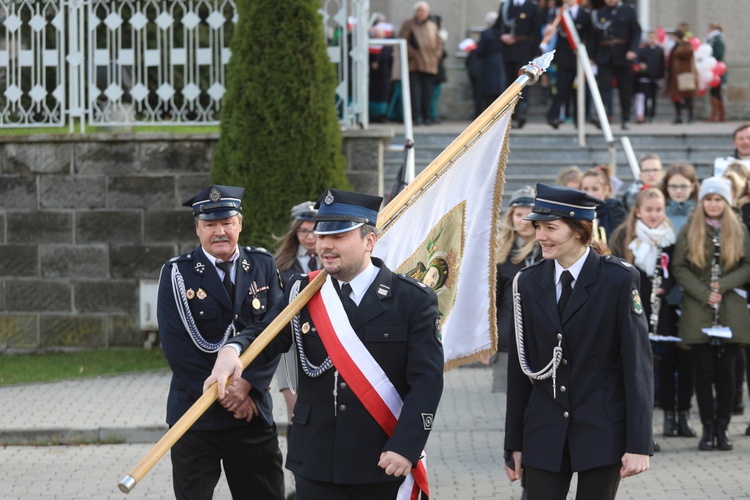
(687, 171)
(286, 246)
(632, 219)
(730, 238)
(508, 235)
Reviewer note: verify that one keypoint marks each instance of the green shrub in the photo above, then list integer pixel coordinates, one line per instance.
(280, 136)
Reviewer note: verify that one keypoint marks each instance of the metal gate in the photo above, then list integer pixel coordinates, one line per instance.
(140, 62)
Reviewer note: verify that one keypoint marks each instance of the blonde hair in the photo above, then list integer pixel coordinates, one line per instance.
(630, 222)
(738, 185)
(730, 238)
(508, 235)
(604, 174)
(568, 174)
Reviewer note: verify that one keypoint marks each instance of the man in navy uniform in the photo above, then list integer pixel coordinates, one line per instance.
(521, 24)
(205, 297)
(566, 59)
(613, 47)
(370, 364)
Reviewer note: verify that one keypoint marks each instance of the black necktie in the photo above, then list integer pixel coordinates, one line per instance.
(313, 264)
(349, 305)
(565, 279)
(227, 268)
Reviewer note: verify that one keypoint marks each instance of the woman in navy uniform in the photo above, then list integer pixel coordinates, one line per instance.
(197, 315)
(338, 449)
(589, 408)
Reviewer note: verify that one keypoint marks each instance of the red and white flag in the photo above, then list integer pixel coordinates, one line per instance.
(447, 240)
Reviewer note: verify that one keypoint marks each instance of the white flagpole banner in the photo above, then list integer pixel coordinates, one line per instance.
(446, 239)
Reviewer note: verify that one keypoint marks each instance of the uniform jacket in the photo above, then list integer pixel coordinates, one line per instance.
(611, 26)
(565, 56)
(526, 23)
(492, 72)
(696, 313)
(212, 314)
(397, 321)
(605, 386)
(423, 44)
(653, 57)
(610, 215)
(504, 297)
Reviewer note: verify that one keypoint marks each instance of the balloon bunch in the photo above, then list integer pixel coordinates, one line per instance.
(709, 69)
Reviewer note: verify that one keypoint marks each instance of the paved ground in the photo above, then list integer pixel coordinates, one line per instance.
(464, 456)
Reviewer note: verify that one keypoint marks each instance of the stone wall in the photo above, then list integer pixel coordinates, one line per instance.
(84, 218)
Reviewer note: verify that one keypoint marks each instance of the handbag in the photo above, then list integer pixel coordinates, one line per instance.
(686, 82)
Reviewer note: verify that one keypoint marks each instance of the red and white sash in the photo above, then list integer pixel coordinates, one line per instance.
(365, 377)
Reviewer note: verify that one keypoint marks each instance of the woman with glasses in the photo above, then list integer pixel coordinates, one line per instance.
(295, 254)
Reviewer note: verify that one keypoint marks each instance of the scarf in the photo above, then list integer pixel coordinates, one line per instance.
(648, 243)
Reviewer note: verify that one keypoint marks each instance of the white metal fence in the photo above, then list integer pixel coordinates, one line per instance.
(126, 62)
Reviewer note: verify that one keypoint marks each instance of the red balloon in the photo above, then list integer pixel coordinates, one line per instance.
(695, 42)
(720, 68)
(660, 35)
(715, 82)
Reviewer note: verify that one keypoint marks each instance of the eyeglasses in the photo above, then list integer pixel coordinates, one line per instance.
(304, 232)
(679, 187)
(650, 171)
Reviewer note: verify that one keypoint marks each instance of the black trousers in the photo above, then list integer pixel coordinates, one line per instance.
(511, 73)
(595, 484)
(714, 371)
(565, 80)
(624, 77)
(308, 489)
(251, 458)
(675, 377)
(422, 86)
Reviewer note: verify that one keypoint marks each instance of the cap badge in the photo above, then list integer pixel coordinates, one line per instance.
(214, 195)
(329, 198)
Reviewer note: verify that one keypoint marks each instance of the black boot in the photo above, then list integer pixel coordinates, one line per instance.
(670, 426)
(747, 431)
(723, 442)
(707, 439)
(677, 112)
(683, 427)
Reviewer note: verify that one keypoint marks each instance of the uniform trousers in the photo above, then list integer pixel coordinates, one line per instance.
(565, 80)
(511, 73)
(594, 484)
(624, 77)
(250, 455)
(307, 489)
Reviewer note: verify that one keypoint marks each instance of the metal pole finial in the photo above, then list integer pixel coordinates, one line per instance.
(538, 66)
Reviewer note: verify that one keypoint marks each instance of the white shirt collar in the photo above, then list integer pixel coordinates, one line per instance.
(215, 261)
(303, 258)
(575, 269)
(362, 282)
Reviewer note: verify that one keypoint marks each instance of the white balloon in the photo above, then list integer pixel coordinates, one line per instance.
(709, 63)
(704, 50)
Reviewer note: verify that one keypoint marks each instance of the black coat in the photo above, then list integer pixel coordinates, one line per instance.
(605, 386)
(490, 54)
(610, 26)
(655, 62)
(526, 23)
(397, 322)
(565, 56)
(213, 312)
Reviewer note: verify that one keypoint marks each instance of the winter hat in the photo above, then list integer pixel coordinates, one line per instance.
(716, 185)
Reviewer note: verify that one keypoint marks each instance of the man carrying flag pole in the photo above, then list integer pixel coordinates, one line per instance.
(370, 365)
(436, 268)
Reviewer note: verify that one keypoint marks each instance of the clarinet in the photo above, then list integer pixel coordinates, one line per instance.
(656, 281)
(715, 276)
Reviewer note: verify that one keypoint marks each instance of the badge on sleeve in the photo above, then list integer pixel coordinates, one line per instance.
(427, 419)
(438, 333)
(635, 303)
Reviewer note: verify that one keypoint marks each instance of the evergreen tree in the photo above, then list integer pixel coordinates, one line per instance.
(280, 136)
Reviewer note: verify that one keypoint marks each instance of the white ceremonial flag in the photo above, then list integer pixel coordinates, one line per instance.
(446, 238)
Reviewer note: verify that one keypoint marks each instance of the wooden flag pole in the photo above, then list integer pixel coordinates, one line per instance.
(528, 74)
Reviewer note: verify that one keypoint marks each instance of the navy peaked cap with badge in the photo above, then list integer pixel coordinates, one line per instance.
(304, 211)
(341, 211)
(216, 202)
(556, 202)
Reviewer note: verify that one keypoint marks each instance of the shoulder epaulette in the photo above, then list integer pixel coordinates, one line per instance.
(413, 281)
(533, 264)
(186, 257)
(258, 250)
(620, 262)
